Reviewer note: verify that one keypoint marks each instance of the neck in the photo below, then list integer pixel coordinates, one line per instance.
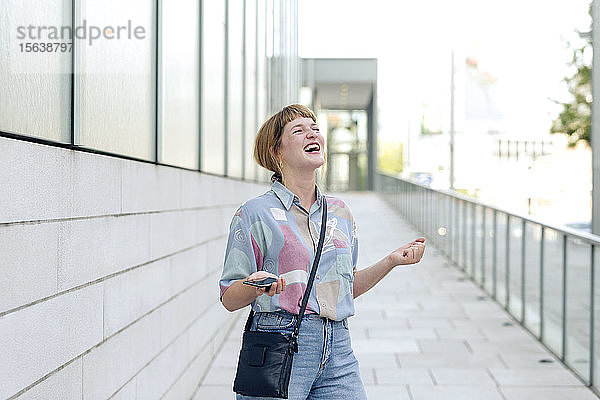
(303, 186)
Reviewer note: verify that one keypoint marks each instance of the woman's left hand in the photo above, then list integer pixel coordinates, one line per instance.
(410, 253)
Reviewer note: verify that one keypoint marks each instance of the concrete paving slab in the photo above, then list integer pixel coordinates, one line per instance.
(387, 392)
(462, 376)
(541, 392)
(206, 392)
(459, 333)
(408, 333)
(534, 377)
(450, 360)
(403, 376)
(530, 361)
(459, 392)
(219, 376)
(425, 322)
(441, 346)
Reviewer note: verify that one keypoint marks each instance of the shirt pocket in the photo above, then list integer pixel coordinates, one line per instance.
(343, 262)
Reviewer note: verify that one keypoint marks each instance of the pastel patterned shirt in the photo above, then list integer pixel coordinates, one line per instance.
(274, 233)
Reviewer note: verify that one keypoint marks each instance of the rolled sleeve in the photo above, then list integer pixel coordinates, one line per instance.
(239, 261)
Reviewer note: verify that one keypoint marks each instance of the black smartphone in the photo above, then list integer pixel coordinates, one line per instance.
(262, 283)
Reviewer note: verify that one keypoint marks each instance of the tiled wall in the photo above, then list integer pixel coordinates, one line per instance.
(108, 274)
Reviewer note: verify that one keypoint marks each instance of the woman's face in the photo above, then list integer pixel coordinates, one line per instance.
(302, 145)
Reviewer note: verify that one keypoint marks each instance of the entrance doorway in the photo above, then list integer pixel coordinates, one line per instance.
(346, 137)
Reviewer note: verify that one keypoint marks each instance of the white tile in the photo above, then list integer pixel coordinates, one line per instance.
(61, 385)
(209, 223)
(92, 175)
(181, 311)
(194, 189)
(60, 329)
(216, 321)
(109, 366)
(38, 177)
(29, 263)
(132, 294)
(127, 392)
(186, 385)
(216, 254)
(156, 378)
(93, 248)
(172, 231)
(187, 267)
(158, 184)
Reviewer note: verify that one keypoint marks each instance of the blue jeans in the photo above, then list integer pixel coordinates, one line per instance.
(325, 366)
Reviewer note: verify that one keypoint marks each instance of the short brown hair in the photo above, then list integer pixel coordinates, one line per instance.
(269, 136)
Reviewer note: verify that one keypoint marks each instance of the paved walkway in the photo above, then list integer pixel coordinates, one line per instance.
(425, 332)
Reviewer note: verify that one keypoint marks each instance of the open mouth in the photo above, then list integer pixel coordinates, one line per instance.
(312, 148)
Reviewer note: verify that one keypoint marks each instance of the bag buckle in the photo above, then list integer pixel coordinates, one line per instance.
(293, 345)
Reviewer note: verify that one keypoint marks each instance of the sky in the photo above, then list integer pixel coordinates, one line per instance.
(521, 43)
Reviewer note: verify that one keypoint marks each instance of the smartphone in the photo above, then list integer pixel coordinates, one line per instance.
(262, 283)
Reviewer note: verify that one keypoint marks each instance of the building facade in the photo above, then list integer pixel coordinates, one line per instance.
(125, 148)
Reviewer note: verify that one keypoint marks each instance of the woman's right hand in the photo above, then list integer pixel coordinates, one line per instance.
(275, 288)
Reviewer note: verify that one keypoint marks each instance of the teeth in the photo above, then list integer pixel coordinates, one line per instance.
(311, 147)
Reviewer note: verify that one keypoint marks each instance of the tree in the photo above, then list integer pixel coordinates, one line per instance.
(575, 118)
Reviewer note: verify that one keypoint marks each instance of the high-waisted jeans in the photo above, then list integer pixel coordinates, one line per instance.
(325, 366)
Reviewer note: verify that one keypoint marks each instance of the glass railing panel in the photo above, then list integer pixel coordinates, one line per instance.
(553, 290)
(578, 305)
(533, 236)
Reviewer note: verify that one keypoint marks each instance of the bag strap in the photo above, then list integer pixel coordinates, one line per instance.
(313, 273)
(309, 284)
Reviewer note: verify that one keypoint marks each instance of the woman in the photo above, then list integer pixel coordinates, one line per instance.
(276, 235)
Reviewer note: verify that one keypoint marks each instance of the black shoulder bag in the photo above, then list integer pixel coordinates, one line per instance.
(265, 361)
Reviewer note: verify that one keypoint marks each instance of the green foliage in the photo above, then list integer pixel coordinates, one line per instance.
(575, 118)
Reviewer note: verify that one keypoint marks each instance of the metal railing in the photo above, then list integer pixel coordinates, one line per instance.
(543, 275)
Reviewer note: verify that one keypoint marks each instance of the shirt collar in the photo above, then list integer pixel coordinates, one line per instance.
(287, 196)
